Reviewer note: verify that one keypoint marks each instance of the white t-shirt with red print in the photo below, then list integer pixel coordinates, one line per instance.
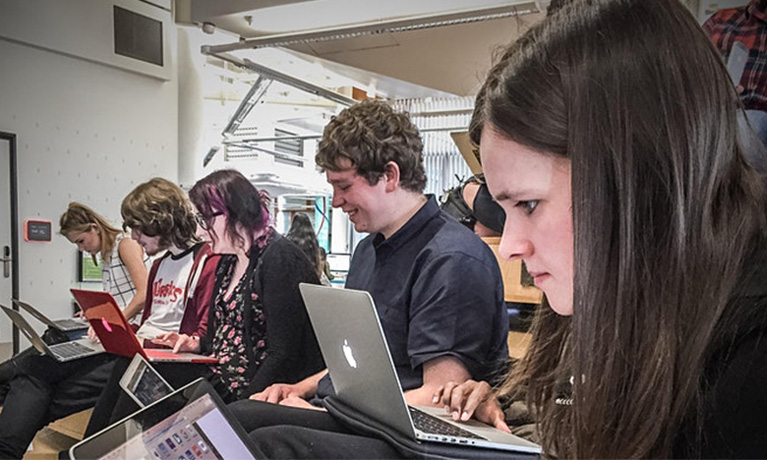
(168, 295)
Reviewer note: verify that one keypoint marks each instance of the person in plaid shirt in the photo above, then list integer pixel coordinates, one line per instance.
(747, 24)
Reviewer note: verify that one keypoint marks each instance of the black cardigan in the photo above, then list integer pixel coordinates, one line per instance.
(293, 352)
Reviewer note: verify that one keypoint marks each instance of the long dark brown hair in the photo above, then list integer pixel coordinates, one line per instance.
(665, 210)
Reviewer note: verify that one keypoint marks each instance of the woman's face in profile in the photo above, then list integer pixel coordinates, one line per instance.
(534, 191)
(88, 241)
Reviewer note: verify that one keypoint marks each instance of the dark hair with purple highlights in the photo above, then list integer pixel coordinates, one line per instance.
(230, 193)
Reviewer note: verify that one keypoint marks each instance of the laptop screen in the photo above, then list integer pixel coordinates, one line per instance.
(178, 426)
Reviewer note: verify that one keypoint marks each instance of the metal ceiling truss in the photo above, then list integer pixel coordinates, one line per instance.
(382, 27)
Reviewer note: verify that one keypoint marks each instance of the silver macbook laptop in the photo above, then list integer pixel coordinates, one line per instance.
(354, 347)
(61, 352)
(143, 383)
(63, 325)
(192, 423)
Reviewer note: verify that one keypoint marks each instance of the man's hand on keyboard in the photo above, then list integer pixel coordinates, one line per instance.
(469, 399)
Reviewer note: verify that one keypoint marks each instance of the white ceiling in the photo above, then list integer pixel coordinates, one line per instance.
(449, 59)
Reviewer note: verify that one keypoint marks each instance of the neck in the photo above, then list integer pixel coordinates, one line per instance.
(407, 205)
(175, 250)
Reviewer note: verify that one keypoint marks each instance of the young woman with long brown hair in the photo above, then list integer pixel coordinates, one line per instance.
(609, 135)
(124, 270)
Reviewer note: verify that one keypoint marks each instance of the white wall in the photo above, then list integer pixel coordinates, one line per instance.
(86, 132)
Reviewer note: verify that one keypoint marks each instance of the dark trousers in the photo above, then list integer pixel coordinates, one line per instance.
(307, 443)
(289, 432)
(43, 390)
(114, 404)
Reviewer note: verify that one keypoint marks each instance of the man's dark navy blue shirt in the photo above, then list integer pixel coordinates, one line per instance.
(438, 291)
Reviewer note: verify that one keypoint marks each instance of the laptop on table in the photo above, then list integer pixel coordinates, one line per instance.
(61, 352)
(364, 377)
(63, 325)
(190, 423)
(116, 334)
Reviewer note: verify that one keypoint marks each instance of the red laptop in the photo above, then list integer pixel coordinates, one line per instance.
(115, 332)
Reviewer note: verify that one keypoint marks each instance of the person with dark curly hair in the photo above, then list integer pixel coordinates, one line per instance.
(416, 263)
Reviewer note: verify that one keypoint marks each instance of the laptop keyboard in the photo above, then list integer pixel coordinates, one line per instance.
(71, 323)
(433, 425)
(70, 349)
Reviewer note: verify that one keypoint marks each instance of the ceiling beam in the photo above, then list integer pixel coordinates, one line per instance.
(378, 27)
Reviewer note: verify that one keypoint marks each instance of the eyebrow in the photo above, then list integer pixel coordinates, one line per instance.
(514, 194)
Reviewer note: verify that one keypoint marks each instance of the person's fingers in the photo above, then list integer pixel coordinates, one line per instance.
(474, 399)
(500, 422)
(437, 397)
(274, 396)
(447, 394)
(458, 401)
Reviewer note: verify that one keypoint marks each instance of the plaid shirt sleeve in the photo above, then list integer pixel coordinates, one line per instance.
(748, 25)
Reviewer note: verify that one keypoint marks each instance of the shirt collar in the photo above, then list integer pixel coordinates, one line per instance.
(411, 227)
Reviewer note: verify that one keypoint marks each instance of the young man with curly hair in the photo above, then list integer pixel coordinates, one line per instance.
(436, 285)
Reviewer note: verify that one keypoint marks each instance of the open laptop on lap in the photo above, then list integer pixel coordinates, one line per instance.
(62, 352)
(354, 347)
(116, 334)
(63, 325)
(190, 423)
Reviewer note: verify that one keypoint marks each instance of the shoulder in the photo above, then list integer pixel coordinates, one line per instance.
(280, 248)
(455, 240)
(127, 246)
(735, 405)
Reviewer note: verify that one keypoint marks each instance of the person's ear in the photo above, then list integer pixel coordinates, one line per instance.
(391, 176)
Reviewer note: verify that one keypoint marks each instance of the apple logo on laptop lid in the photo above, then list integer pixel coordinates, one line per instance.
(348, 354)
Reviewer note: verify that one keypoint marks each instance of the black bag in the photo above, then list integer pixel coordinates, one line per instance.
(52, 336)
(410, 448)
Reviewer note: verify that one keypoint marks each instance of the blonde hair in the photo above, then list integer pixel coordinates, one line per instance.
(78, 218)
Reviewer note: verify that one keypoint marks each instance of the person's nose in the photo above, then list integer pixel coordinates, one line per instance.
(515, 244)
(337, 200)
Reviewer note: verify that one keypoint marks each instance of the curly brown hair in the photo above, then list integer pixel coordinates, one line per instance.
(160, 208)
(370, 134)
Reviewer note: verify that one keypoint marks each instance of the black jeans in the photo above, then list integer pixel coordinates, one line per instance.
(44, 390)
(307, 443)
(289, 432)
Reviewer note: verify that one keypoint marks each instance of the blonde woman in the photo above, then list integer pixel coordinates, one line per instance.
(123, 271)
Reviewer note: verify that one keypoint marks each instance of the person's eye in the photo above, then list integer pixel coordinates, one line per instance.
(344, 187)
(528, 206)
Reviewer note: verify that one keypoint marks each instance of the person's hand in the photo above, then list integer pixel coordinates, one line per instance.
(278, 393)
(295, 401)
(740, 89)
(92, 334)
(178, 342)
(469, 399)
